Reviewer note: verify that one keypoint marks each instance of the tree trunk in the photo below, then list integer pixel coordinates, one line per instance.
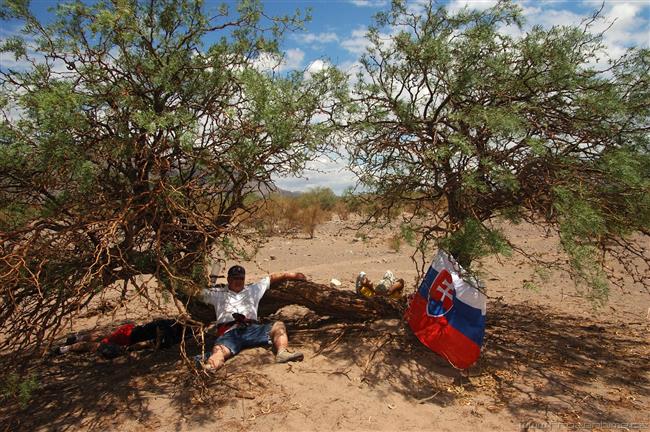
(321, 299)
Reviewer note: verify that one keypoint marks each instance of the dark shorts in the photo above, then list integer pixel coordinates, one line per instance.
(253, 335)
(171, 332)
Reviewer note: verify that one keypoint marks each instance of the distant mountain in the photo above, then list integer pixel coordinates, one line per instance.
(284, 192)
(270, 189)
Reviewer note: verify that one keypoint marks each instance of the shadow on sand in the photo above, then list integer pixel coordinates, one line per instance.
(534, 362)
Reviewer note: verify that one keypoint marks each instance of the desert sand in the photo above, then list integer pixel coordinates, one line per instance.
(549, 361)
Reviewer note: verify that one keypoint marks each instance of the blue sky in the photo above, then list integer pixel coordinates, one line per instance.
(336, 35)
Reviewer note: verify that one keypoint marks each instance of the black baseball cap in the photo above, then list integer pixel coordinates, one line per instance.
(236, 271)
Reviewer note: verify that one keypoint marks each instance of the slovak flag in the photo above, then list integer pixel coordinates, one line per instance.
(447, 314)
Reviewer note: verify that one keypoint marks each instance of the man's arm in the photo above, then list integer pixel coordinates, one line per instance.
(284, 276)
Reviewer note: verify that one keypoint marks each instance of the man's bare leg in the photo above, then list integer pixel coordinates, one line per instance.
(281, 342)
(397, 287)
(93, 335)
(80, 342)
(279, 336)
(79, 347)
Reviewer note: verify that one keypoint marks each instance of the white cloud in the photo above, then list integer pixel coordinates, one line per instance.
(353, 69)
(627, 22)
(369, 3)
(266, 62)
(316, 38)
(457, 5)
(292, 59)
(316, 66)
(629, 25)
(624, 24)
(323, 172)
(357, 42)
(554, 17)
(8, 61)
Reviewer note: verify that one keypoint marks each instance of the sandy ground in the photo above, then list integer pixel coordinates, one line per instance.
(550, 360)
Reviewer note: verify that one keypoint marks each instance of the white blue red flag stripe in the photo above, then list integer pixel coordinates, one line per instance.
(447, 314)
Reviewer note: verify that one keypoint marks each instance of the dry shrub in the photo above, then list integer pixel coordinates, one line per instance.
(281, 214)
(291, 219)
(342, 210)
(310, 217)
(266, 217)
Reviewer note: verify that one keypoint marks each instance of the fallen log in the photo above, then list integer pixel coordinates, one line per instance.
(327, 301)
(322, 299)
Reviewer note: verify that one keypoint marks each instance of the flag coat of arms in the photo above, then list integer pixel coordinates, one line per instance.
(447, 314)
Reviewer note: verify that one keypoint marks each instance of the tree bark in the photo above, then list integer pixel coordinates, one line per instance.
(321, 299)
(326, 301)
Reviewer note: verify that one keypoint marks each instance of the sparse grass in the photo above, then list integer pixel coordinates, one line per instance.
(395, 242)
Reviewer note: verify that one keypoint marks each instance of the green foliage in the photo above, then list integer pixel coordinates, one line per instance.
(463, 123)
(322, 197)
(473, 241)
(141, 154)
(20, 389)
(407, 233)
(586, 271)
(580, 219)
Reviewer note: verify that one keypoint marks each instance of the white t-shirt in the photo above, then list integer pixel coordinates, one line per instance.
(245, 302)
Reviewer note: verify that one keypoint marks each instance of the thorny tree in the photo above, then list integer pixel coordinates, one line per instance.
(462, 123)
(127, 147)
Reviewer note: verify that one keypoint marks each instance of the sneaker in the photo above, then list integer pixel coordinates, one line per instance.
(201, 363)
(360, 280)
(285, 356)
(390, 277)
(58, 350)
(200, 359)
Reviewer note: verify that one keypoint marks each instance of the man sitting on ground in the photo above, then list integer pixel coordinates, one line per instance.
(237, 326)
(161, 333)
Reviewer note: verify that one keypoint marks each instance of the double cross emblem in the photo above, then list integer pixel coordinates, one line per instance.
(441, 295)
